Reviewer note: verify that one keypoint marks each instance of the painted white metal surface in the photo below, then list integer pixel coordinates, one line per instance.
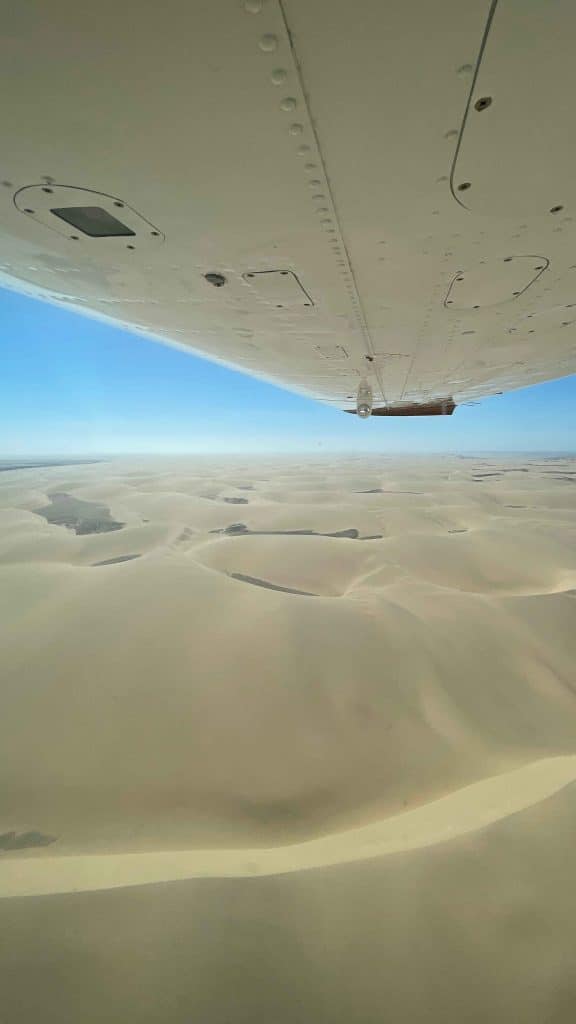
(516, 153)
(493, 282)
(279, 289)
(316, 139)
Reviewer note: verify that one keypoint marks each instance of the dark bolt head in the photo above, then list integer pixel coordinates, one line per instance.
(216, 279)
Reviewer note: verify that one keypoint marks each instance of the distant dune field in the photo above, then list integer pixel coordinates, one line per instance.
(288, 740)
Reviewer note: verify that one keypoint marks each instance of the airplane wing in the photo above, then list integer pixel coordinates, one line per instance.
(347, 199)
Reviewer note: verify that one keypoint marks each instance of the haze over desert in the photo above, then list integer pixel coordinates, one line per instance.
(288, 738)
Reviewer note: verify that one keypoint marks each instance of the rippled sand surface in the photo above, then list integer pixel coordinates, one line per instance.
(288, 739)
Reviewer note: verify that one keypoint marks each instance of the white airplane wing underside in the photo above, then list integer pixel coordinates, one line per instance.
(331, 196)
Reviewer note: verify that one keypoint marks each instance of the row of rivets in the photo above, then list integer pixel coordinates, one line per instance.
(269, 43)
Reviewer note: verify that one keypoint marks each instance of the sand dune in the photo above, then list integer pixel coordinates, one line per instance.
(330, 701)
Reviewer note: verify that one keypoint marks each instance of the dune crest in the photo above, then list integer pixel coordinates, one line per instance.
(474, 807)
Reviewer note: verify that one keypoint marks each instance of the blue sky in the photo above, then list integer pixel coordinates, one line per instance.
(72, 385)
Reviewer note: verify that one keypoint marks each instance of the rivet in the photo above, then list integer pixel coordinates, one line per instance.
(278, 77)
(319, 196)
(465, 69)
(322, 209)
(268, 43)
(443, 177)
(303, 150)
(289, 103)
(296, 129)
(7, 184)
(452, 134)
(310, 167)
(314, 183)
(253, 6)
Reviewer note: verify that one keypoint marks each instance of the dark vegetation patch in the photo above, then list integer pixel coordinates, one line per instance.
(241, 530)
(114, 561)
(269, 586)
(24, 840)
(81, 516)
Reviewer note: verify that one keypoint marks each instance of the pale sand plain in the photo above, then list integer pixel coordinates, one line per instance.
(289, 739)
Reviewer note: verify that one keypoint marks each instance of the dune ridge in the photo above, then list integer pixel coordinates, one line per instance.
(471, 808)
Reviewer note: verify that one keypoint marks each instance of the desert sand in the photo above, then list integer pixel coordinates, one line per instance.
(288, 739)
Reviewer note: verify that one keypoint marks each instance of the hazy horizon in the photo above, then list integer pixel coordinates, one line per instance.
(96, 456)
